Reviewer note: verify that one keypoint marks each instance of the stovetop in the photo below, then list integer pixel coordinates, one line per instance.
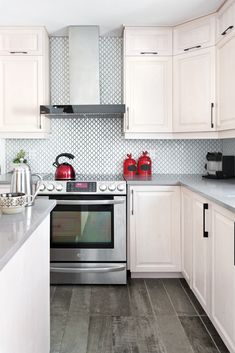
(87, 177)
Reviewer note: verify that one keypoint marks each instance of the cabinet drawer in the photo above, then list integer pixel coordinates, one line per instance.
(148, 41)
(195, 34)
(226, 19)
(21, 41)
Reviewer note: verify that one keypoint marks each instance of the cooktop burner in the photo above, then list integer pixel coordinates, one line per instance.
(88, 177)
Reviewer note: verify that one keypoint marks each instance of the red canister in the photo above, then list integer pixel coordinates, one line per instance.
(144, 167)
(129, 166)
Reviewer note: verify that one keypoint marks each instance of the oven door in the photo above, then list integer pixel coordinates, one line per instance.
(88, 229)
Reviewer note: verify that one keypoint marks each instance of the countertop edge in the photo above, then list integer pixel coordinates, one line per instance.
(10, 254)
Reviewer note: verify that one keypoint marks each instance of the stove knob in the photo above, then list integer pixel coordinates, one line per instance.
(112, 187)
(42, 187)
(59, 187)
(50, 187)
(121, 187)
(103, 187)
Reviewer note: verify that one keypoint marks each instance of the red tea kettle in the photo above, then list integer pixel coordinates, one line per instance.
(144, 167)
(64, 171)
(129, 166)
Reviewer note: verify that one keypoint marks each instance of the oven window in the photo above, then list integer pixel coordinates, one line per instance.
(86, 227)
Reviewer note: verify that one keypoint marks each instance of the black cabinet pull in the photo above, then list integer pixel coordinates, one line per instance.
(149, 52)
(212, 110)
(196, 47)
(18, 52)
(227, 29)
(205, 207)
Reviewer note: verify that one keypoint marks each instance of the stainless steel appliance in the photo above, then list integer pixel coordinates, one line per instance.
(22, 182)
(219, 166)
(88, 229)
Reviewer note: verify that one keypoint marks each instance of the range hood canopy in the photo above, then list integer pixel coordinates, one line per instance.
(84, 77)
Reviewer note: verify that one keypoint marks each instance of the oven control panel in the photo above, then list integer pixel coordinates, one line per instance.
(56, 187)
(81, 186)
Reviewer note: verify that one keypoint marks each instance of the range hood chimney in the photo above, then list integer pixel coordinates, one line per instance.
(84, 77)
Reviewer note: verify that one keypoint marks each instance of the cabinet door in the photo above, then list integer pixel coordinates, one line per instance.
(187, 234)
(155, 229)
(194, 86)
(223, 274)
(148, 41)
(201, 251)
(194, 34)
(148, 94)
(226, 83)
(21, 41)
(226, 19)
(21, 93)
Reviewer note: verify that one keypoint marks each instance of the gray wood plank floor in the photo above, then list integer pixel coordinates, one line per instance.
(146, 316)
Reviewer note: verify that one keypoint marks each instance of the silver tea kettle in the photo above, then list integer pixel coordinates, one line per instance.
(22, 181)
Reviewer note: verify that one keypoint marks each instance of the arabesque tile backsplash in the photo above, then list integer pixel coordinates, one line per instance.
(98, 143)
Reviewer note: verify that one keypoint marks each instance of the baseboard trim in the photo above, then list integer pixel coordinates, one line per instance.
(156, 275)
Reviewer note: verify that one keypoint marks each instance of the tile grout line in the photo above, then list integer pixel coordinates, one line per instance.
(177, 316)
(155, 316)
(200, 317)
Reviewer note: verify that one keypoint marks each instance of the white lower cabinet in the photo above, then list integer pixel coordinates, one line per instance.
(223, 274)
(196, 245)
(201, 250)
(187, 234)
(155, 229)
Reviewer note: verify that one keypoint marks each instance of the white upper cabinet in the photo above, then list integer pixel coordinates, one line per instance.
(144, 41)
(226, 19)
(24, 82)
(226, 82)
(194, 91)
(148, 94)
(22, 40)
(194, 35)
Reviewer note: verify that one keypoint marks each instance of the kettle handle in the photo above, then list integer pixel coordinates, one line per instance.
(68, 155)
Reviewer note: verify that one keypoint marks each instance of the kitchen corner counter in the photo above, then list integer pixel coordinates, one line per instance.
(221, 192)
(16, 229)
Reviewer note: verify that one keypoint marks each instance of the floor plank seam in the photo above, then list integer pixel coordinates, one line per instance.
(200, 317)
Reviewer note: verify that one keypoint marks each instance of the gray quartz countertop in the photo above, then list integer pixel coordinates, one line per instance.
(221, 192)
(16, 229)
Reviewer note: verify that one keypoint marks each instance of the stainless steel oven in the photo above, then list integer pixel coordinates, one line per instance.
(88, 238)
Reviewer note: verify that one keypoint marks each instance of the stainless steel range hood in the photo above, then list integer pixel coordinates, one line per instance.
(84, 77)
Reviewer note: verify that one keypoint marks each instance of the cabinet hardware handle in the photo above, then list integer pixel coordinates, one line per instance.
(196, 47)
(132, 202)
(212, 111)
(148, 52)
(18, 52)
(40, 122)
(205, 207)
(127, 119)
(227, 29)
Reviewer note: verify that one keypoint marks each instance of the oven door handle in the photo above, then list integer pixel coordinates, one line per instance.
(87, 269)
(90, 202)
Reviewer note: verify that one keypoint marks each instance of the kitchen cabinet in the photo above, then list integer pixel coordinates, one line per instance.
(154, 229)
(22, 41)
(194, 91)
(24, 86)
(201, 250)
(148, 94)
(142, 41)
(192, 35)
(226, 82)
(187, 234)
(226, 19)
(223, 274)
(25, 297)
